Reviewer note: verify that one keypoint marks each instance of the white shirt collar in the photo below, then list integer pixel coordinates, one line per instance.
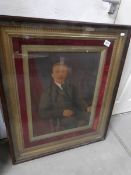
(59, 85)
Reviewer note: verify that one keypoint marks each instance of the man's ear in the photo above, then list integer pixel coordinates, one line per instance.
(52, 75)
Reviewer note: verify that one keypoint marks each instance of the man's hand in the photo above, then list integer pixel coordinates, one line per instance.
(88, 109)
(68, 113)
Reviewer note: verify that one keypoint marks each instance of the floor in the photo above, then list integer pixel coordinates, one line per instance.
(109, 157)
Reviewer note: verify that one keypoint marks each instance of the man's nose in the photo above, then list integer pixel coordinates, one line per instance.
(61, 73)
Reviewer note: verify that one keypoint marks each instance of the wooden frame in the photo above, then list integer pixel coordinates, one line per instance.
(22, 38)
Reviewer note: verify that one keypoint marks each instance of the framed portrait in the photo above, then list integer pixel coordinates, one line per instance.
(58, 82)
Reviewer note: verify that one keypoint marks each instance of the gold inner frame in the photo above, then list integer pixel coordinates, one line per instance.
(11, 91)
(45, 48)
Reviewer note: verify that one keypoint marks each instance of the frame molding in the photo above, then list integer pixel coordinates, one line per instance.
(20, 153)
(56, 48)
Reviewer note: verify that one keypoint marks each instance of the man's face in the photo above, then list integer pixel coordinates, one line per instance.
(60, 73)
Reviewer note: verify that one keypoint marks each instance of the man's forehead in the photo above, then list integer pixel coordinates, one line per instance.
(60, 66)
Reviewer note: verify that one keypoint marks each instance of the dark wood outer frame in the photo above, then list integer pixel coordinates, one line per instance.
(10, 20)
(22, 20)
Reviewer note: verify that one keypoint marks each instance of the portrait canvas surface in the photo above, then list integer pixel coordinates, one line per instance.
(59, 80)
(48, 72)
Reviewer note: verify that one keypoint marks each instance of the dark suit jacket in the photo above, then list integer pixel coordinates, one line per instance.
(54, 100)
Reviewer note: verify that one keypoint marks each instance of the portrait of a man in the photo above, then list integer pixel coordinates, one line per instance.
(62, 88)
(61, 102)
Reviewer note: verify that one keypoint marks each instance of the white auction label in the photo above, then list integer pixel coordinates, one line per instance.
(107, 43)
